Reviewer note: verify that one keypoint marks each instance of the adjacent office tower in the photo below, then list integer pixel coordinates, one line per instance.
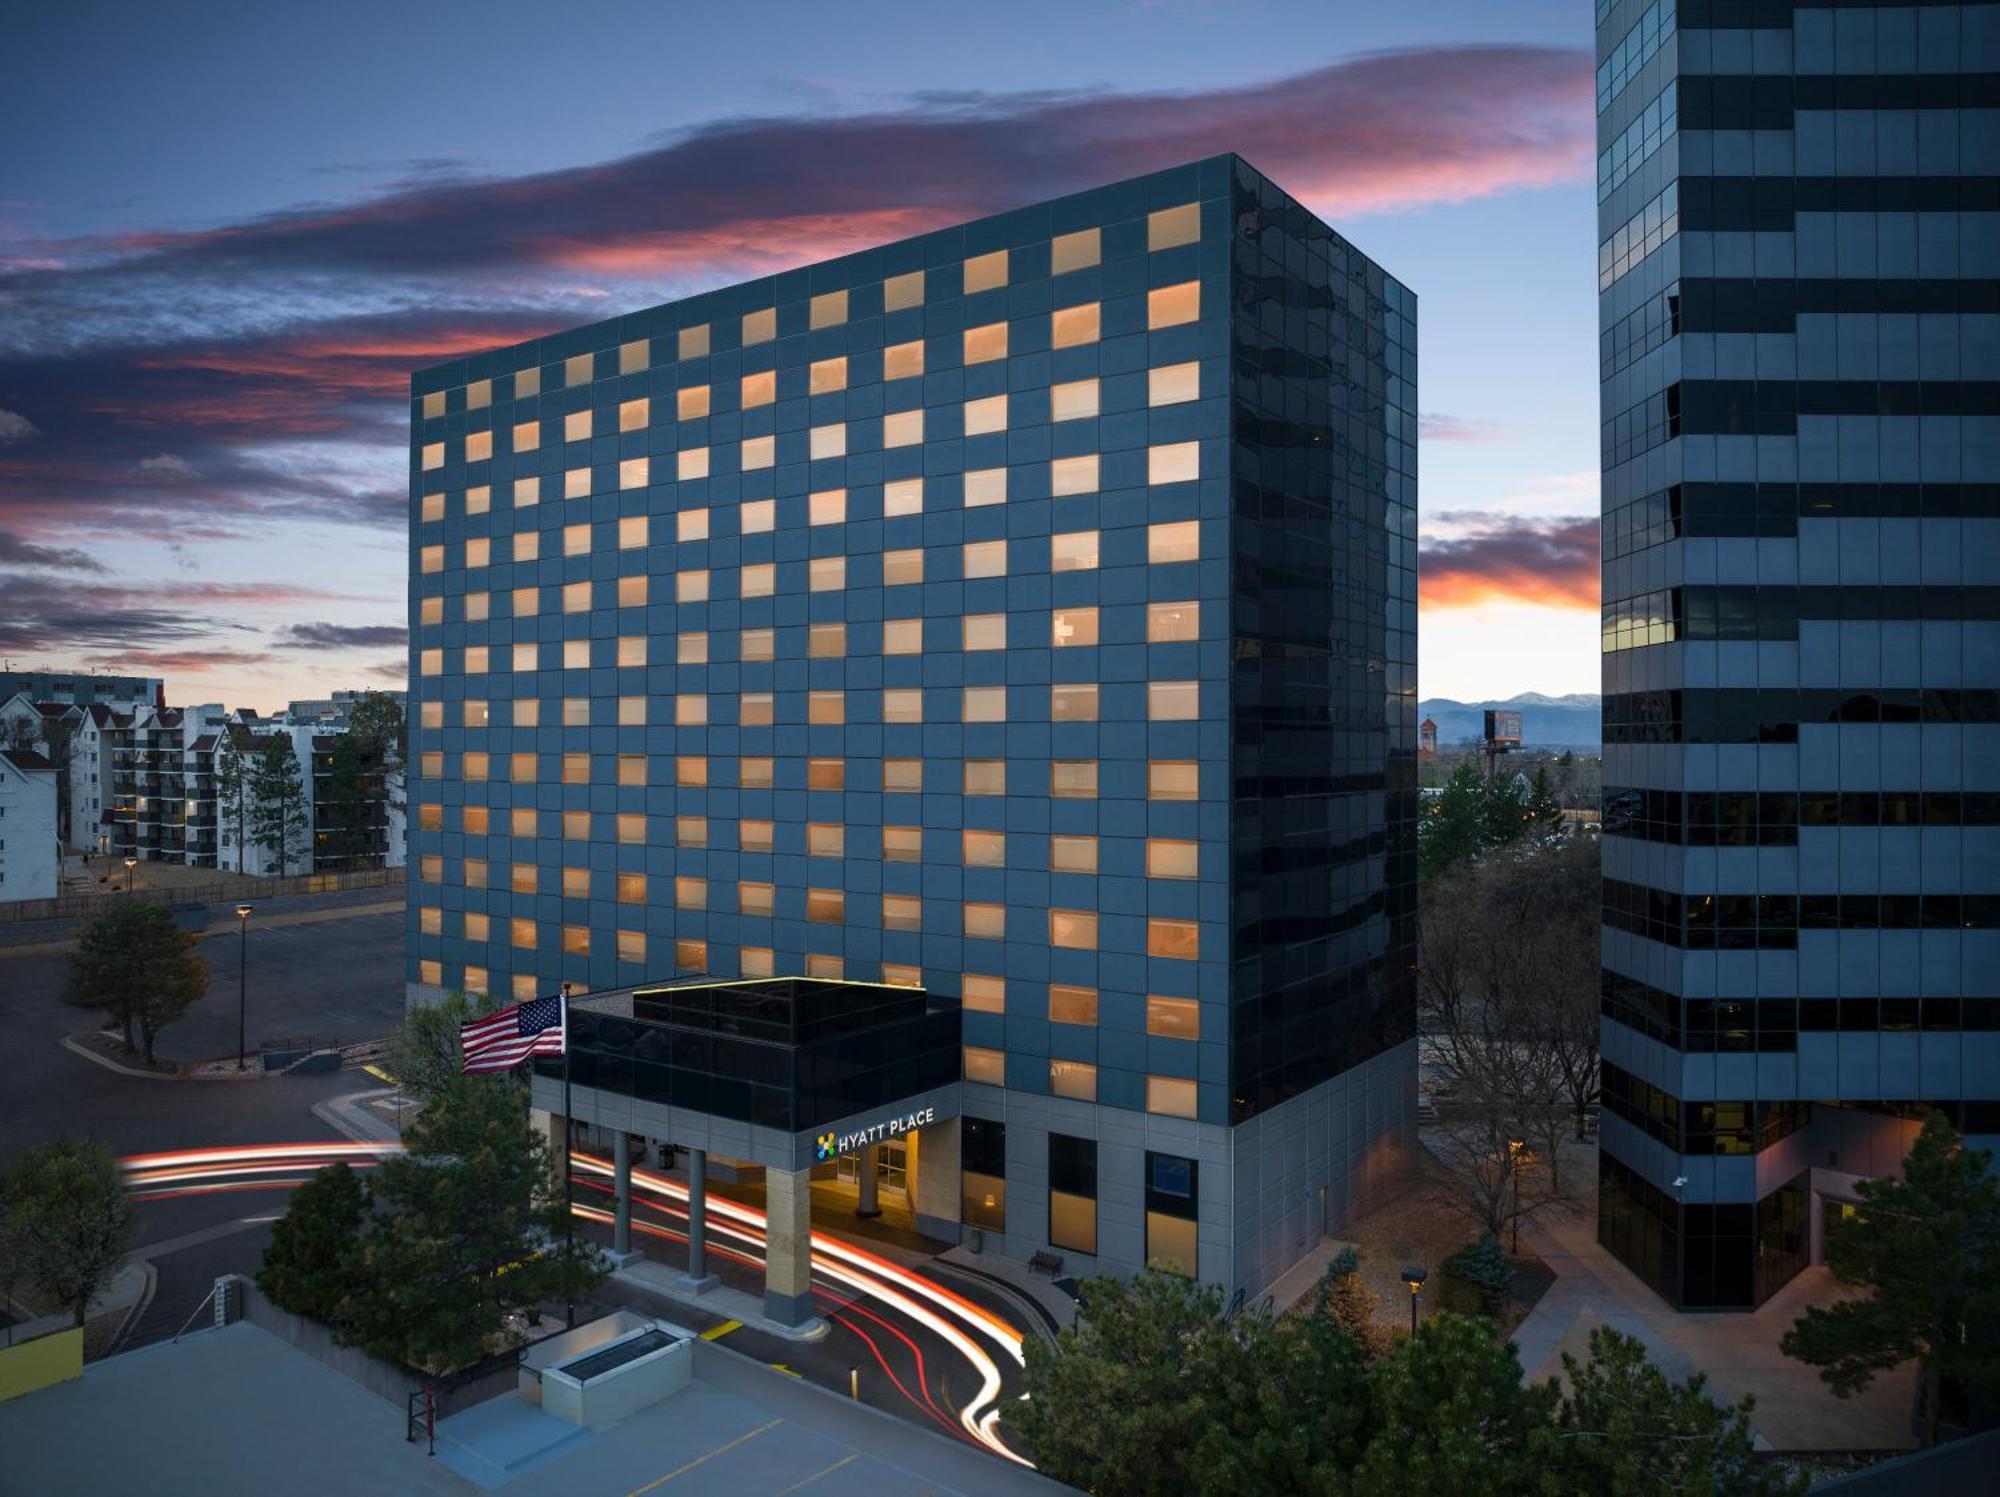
(1799, 283)
(1024, 611)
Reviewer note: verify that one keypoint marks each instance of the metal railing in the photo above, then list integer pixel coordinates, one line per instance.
(64, 905)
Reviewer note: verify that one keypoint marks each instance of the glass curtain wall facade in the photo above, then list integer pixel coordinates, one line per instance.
(1025, 611)
(1799, 289)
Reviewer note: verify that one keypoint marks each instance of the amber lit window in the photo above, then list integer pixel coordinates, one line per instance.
(902, 776)
(1073, 703)
(1173, 383)
(691, 770)
(476, 981)
(985, 922)
(903, 636)
(691, 586)
(1169, 623)
(475, 713)
(479, 499)
(478, 446)
(1073, 626)
(431, 559)
(433, 455)
(1073, 1078)
(476, 821)
(431, 611)
(631, 712)
(826, 906)
(575, 768)
(1069, 326)
(984, 704)
(758, 644)
(902, 912)
(824, 376)
(434, 405)
(631, 649)
(985, 559)
(756, 898)
(577, 371)
(476, 765)
(826, 574)
(986, 342)
(900, 291)
(756, 772)
(984, 272)
(1170, 858)
(692, 342)
(527, 491)
(754, 835)
(691, 893)
(478, 606)
(575, 824)
(760, 388)
(903, 429)
(902, 844)
(1175, 462)
(478, 551)
(1180, 939)
(576, 483)
(983, 631)
(983, 849)
(690, 956)
(430, 817)
(527, 382)
(826, 507)
(527, 602)
(983, 994)
(691, 710)
(827, 441)
(988, 414)
(691, 403)
(1172, 779)
(985, 777)
(575, 710)
(1073, 551)
(478, 927)
(1176, 540)
(758, 452)
(576, 540)
(631, 946)
(691, 648)
(630, 827)
(522, 933)
(691, 525)
(901, 567)
(760, 327)
(1069, 1004)
(1076, 251)
(1073, 779)
(576, 426)
(1172, 226)
(1073, 401)
(527, 545)
(527, 436)
(757, 961)
(1169, 306)
(1073, 930)
(1173, 701)
(1173, 1018)
(987, 1067)
(826, 707)
(430, 868)
(430, 662)
(826, 774)
(631, 888)
(828, 309)
(691, 462)
(1170, 1096)
(1073, 475)
(527, 712)
(903, 360)
(1072, 854)
(689, 831)
(759, 580)
(523, 878)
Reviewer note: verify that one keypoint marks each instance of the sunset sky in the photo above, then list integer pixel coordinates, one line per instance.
(228, 232)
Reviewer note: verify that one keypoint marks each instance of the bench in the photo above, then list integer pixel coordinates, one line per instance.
(1046, 1262)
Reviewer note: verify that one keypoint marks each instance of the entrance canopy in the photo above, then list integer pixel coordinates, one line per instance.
(781, 1071)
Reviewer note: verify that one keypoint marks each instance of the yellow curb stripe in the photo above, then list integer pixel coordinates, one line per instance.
(717, 1332)
(660, 1481)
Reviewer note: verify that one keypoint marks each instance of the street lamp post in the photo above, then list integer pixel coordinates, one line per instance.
(1414, 1277)
(242, 975)
(1515, 1146)
(130, 864)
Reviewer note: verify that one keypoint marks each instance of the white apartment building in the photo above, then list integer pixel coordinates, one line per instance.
(29, 856)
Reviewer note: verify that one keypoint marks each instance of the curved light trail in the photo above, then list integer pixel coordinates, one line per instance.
(736, 1232)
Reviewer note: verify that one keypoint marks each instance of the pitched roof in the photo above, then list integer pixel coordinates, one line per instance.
(26, 759)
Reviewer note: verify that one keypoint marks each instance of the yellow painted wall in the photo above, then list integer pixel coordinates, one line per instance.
(41, 1363)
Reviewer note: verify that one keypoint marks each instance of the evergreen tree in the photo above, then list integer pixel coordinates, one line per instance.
(423, 1050)
(1926, 1247)
(1288, 1409)
(136, 966)
(1345, 1299)
(309, 1268)
(1452, 827)
(278, 821)
(233, 775)
(1506, 814)
(68, 1220)
(465, 1233)
(1544, 811)
(1624, 1427)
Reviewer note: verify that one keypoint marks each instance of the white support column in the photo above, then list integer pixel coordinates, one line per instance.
(937, 1194)
(788, 1247)
(867, 1173)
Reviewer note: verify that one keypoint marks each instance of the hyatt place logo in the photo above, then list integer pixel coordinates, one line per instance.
(823, 1147)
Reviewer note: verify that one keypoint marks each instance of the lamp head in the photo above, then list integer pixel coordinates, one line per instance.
(243, 911)
(1414, 1277)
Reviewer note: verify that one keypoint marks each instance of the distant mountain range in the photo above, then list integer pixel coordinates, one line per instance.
(1546, 722)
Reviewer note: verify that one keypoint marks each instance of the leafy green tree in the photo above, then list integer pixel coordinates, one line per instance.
(1452, 828)
(1452, 1418)
(1288, 1412)
(465, 1233)
(310, 1266)
(278, 807)
(1926, 1249)
(1625, 1427)
(423, 1050)
(1112, 1402)
(1345, 1298)
(68, 1220)
(234, 772)
(133, 964)
(1544, 812)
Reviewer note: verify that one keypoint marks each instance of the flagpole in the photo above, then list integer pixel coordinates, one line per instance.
(569, 1149)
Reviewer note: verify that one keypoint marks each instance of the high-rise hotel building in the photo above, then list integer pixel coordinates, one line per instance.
(1024, 612)
(1799, 284)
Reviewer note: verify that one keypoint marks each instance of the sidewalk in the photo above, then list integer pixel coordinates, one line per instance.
(1738, 1352)
(63, 932)
(129, 1290)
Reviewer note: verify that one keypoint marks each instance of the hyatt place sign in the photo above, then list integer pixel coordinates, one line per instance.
(832, 1145)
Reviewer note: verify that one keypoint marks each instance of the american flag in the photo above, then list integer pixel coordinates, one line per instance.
(501, 1041)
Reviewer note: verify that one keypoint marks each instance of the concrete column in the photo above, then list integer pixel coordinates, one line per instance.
(621, 1174)
(697, 1279)
(554, 1128)
(933, 1155)
(788, 1246)
(866, 1172)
